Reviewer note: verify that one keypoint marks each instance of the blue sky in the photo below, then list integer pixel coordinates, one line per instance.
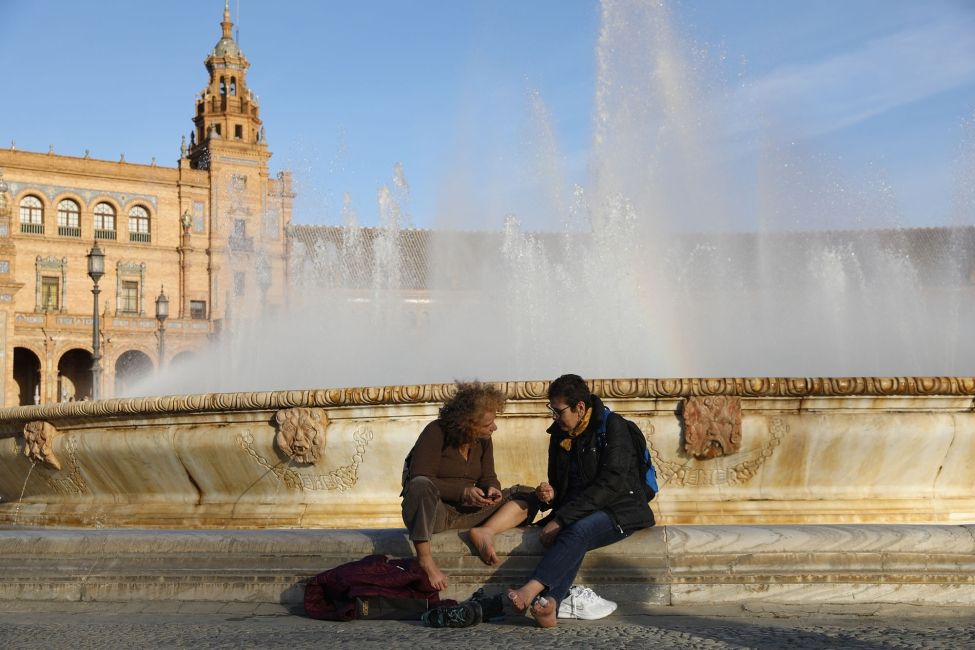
(463, 94)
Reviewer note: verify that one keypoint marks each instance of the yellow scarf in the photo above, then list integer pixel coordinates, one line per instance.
(583, 423)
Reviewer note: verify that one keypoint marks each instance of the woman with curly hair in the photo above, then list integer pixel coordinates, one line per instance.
(595, 492)
(449, 480)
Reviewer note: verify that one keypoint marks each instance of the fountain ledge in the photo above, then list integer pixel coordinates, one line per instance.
(667, 565)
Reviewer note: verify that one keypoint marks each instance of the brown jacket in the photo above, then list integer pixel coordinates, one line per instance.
(447, 468)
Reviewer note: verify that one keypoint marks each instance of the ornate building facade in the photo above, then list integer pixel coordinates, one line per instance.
(210, 234)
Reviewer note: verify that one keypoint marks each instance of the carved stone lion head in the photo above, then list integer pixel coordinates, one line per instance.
(39, 443)
(301, 433)
(712, 426)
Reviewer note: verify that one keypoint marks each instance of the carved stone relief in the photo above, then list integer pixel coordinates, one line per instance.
(693, 472)
(39, 443)
(712, 426)
(301, 434)
(342, 478)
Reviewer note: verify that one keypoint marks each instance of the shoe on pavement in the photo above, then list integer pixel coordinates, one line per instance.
(583, 602)
(463, 614)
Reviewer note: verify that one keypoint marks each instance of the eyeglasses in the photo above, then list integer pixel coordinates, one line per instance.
(556, 413)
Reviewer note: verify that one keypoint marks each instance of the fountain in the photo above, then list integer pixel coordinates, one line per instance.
(839, 349)
(839, 450)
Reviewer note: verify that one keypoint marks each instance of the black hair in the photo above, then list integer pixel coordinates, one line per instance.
(572, 388)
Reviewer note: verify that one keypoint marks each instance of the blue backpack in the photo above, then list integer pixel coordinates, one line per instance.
(639, 441)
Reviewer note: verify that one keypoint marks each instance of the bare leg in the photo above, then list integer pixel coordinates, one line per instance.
(523, 597)
(437, 578)
(508, 516)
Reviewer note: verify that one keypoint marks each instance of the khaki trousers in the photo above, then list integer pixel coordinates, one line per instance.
(425, 513)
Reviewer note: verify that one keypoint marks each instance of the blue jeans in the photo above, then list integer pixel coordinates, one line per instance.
(562, 560)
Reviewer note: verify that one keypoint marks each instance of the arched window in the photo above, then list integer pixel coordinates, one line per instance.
(31, 215)
(104, 221)
(223, 86)
(131, 367)
(139, 224)
(233, 86)
(69, 219)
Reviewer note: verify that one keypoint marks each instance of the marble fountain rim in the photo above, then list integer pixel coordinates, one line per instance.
(617, 388)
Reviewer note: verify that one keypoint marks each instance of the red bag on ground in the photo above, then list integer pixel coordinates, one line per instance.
(398, 588)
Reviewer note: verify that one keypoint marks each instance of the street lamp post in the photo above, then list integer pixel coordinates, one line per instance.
(96, 269)
(162, 313)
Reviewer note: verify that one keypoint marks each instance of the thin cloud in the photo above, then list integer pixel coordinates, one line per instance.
(843, 90)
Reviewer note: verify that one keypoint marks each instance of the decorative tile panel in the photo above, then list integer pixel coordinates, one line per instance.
(239, 161)
(198, 217)
(53, 191)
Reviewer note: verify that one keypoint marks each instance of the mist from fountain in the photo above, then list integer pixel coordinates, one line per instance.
(645, 271)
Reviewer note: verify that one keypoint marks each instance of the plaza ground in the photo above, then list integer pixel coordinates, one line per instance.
(164, 624)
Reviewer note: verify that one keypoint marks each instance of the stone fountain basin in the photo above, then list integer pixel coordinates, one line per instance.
(811, 450)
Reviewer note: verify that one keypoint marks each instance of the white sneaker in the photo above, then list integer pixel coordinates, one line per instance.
(582, 602)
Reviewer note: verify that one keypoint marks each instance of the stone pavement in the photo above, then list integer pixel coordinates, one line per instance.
(167, 624)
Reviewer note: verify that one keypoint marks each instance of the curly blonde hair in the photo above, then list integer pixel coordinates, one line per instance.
(470, 402)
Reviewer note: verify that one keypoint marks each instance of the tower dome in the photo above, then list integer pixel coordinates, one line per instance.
(227, 46)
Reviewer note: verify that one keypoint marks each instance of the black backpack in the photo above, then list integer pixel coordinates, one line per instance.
(639, 441)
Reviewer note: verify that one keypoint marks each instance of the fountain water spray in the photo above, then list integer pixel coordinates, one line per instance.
(647, 270)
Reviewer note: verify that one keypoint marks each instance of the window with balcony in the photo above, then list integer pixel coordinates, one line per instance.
(239, 241)
(139, 224)
(31, 215)
(130, 283)
(51, 275)
(69, 219)
(50, 293)
(198, 309)
(104, 221)
(128, 299)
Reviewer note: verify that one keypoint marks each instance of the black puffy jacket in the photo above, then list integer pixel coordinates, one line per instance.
(610, 472)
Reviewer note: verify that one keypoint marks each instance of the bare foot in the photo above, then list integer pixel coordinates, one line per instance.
(517, 600)
(437, 578)
(483, 540)
(545, 612)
